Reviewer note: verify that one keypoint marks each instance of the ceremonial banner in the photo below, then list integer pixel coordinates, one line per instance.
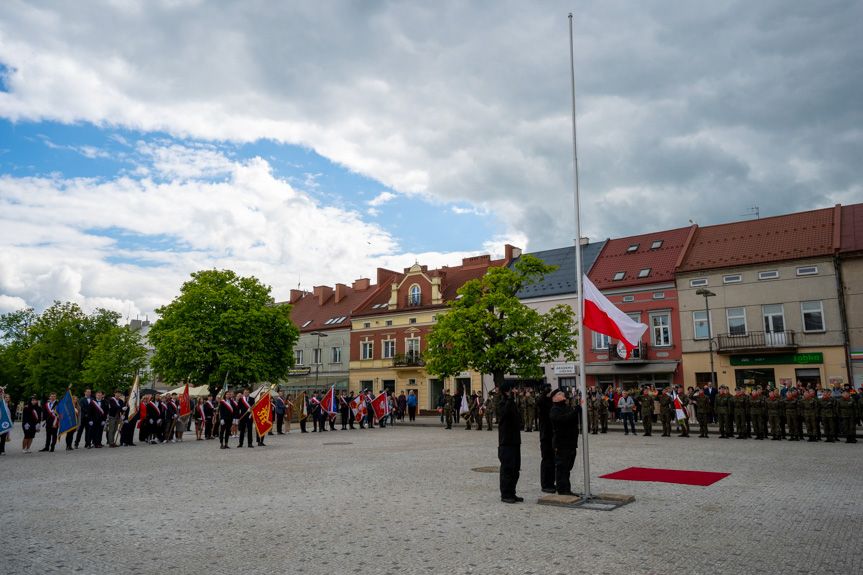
(5, 417)
(134, 400)
(358, 408)
(328, 403)
(604, 317)
(300, 406)
(261, 415)
(679, 408)
(465, 408)
(381, 406)
(185, 406)
(68, 419)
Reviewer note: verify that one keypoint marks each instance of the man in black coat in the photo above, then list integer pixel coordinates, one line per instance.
(509, 444)
(546, 449)
(226, 417)
(564, 422)
(244, 405)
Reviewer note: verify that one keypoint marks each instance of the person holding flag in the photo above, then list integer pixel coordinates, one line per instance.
(244, 405)
(261, 413)
(6, 419)
(209, 413)
(116, 410)
(226, 416)
(51, 421)
(680, 403)
(185, 412)
(31, 415)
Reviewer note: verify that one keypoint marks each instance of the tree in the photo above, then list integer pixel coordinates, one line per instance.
(14, 340)
(219, 324)
(114, 359)
(489, 330)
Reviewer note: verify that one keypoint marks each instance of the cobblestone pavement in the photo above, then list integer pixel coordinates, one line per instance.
(404, 500)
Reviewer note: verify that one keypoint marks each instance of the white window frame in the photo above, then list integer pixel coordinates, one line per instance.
(409, 345)
(618, 276)
(367, 325)
(317, 355)
(659, 295)
(656, 244)
(415, 295)
(732, 279)
(768, 275)
(389, 348)
(601, 341)
(667, 339)
(644, 272)
(367, 350)
(705, 320)
(698, 282)
(628, 298)
(298, 357)
(807, 271)
(632, 248)
(336, 354)
(728, 319)
(820, 311)
(388, 322)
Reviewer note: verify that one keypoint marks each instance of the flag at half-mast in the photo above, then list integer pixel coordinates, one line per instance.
(67, 416)
(6, 424)
(261, 412)
(602, 316)
(381, 406)
(328, 403)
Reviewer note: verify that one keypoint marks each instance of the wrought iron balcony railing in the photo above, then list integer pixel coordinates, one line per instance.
(756, 340)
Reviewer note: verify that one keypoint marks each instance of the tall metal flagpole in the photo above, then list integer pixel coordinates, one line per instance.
(582, 381)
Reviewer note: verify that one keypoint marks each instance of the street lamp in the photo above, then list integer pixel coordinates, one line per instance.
(320, 357)
(707, 293)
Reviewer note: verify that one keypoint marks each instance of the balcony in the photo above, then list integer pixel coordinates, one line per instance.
(637, 355)
(409, 359)
(756, 341)
(413, 301)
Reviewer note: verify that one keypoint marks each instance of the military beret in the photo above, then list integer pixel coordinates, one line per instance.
(506, 385)
(556, 391)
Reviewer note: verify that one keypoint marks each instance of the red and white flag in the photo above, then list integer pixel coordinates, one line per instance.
(602, 316)
(358, 408)
(679, 408)
(328, 403)
(381, 406)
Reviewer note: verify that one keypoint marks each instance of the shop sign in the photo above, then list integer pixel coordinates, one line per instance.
(778, 359)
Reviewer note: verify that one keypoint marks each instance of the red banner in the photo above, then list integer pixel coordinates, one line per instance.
(261, 415)
(185, 408)
(380, 405)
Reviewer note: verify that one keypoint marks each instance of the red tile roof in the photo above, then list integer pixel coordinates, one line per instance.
(616, 257)
(851, 234)
(779, 238)
(308, 309)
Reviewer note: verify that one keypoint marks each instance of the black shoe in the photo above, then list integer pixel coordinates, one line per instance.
(43, 449)
(549, 490)
(519, 499)
(250, 446)
(509, 499)
(69, 449)
(303, 431)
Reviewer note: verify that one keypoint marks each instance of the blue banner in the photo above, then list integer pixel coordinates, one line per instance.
(5, 416)
(66, 414)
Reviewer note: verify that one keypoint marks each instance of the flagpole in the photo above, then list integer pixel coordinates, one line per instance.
(582, 381)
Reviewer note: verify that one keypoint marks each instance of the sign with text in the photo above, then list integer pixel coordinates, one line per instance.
(778, 359)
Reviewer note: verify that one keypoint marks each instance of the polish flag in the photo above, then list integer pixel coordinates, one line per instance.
(602, 316)
(679, 408)
(380, 405)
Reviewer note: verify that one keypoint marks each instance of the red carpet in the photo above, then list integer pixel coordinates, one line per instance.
(703, 478)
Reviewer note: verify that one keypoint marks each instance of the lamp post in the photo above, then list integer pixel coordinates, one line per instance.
(707, 293)
(321, 356)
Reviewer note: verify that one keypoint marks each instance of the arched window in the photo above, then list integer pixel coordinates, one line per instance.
(415, 295)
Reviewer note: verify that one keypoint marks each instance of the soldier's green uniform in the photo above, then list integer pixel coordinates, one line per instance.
(702, 413)
(529, 411)
(666, 408)
(827, 409)
(602, 412)
(774, 415)
(592, 416)
(476, 410)
(647, 414)
(723, 414)
(809, 407)
(793, 416)
(848, 413)
(683, 423)
(521, 412)
(448, 403)
(740, 406)
(488, 410)
(757, 410)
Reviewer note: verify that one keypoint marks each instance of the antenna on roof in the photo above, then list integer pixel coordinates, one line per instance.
(298, 283)
(754, 210)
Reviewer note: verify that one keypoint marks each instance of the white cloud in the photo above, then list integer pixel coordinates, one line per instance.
(381, 199)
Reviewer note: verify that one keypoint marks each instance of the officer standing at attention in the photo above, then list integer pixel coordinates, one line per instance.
(509, 444)
(447, 408)
(665, 409)
(722, 407)
(488, 409)
(546, 438)
(702, 412)
(647, 412)
(529, 410)
(564, 422)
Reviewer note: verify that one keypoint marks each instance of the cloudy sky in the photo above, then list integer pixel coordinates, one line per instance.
(308, 143)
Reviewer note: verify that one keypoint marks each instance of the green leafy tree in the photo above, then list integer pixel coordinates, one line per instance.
(489, 330)
(114, 359)
(223, 324)
(14, 340)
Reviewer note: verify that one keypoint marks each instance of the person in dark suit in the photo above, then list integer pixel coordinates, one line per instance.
(279, 409)
(509, 444)
(564, 422)
(84, 422)
(98, 415)
(31, 416)
(49, 412)
(226, 416)
(245, 404)
(710, 392)
(546, 435)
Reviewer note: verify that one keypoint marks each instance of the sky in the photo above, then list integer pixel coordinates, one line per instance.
(309, 143)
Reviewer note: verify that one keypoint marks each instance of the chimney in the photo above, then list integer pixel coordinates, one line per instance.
(296, 295)
(361, 284)
(583, 241)
(323, 293)
(341, 292)
(511, 252)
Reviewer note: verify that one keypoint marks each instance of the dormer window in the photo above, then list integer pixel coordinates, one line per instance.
(415, 295)
(656, 245)
(619, 276)
(632, 248)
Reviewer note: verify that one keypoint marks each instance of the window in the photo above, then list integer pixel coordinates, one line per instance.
(813, 316)
(389, 349)
(774, 318)
(644, 273)
(732, 279)
(601, 341)
(335, 355)
(366, 350)
(412, 320)
(698, 283)
(412, 347)
(307, 323)
(298, 356)
(659, 295)
(736, 318)
(807, 271)
(628, 298)
(619, 276)
(771, 275)
(415, 298)
(660, 324)
(656, 245)
(635, 316)
(388, 322)
(317, 356)
(368, 324)
(701, 324)
(632, 248)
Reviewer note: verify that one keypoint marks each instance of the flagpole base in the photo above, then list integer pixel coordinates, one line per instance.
(600, 502)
